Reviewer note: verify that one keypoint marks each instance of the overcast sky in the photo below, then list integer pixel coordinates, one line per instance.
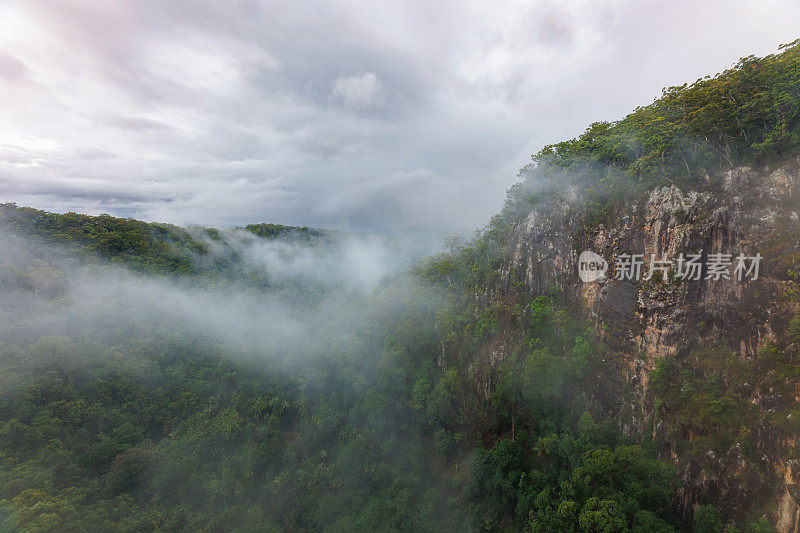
(349, 115)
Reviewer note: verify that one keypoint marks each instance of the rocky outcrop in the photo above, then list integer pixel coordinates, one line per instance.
(741, 211)
(788, 509)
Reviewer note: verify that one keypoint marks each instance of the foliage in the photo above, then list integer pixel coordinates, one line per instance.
(417, 424)
(748, 114)
(143, 246)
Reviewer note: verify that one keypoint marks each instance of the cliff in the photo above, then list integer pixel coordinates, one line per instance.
(704, 369)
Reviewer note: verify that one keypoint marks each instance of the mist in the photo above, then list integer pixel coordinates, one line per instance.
(291, 300)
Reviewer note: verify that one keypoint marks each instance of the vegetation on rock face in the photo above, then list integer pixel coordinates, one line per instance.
(411, 423)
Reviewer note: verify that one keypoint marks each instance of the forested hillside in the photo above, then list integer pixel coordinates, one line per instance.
(148, 247)
(702, 375)
(118, 420)
(171, 379)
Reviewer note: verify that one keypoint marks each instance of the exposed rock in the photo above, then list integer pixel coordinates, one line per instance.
(647, 320)
(788, 509)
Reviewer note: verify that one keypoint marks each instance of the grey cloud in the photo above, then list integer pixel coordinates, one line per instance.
(554, 28)
(11, 68)
(316, 113)
(137, 124)
(364, 90)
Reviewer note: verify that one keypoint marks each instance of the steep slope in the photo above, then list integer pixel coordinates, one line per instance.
(704, 372)
(734, 445)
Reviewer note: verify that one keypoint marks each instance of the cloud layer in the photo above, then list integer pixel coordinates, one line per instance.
(335, 114)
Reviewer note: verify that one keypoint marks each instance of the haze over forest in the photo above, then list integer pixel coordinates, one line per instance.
(241, 287)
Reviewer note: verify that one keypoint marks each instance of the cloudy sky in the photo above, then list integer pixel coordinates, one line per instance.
(350, 115)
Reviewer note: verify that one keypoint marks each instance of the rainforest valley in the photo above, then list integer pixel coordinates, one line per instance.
(275, 378)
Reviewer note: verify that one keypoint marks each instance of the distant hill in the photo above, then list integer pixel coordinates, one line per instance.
(144, 246)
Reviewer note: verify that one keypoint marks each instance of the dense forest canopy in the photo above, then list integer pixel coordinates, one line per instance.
(748, 114)
(126, 421)
(136, 420)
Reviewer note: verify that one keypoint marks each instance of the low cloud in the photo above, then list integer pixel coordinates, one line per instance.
(359, 91)
(293, 298)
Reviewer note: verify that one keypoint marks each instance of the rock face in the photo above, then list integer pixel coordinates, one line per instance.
(643, 321)
(788, 509)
